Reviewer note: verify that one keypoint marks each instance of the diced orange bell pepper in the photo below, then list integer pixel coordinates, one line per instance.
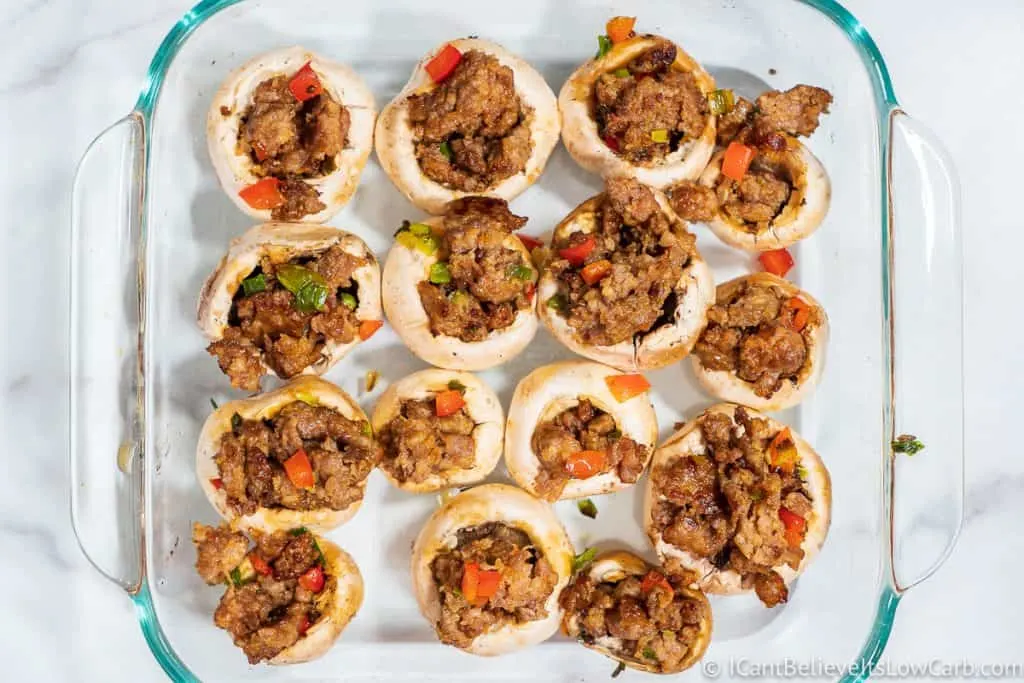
(737, 160)
(620, 28)
(801, 313)
(654, 578)
(782, 452)
(448, 402)
(777, 261)
(264, 194)
(299, 471)
(625, 387)
(593, 273)
(584, 464)
(368, 328)
(260, 565)
(796, 527)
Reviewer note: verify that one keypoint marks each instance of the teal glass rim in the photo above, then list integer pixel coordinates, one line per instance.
(886, 104)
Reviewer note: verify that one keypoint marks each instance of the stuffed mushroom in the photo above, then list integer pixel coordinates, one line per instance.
(289, 299)
(579, 429)
(473, 119)
(459, 289)
(740, 499)
(640, 109)
(630, 611)
(764, 190)
(288, 597)
(626, 285)
(488, 568)
(764, 345)
(289, 133)
(438, 429)
(297, 456)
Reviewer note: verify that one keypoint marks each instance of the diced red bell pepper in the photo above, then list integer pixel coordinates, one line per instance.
(654, 578)
(217, 483)
(448, 402)
(613, 143)
(737, 160)
(313, 580)
(593, 273)
(479, 584)
(304, 625)
(578, 253)
(531, 289)
(777, 261)
(260, 565)
(530, 243)
(625, 387)
(801, 313)
(796, 527)
(620, 28)
(305, 84)
(584, 464)
(444, 63)
(264, 194)
(368, 328)
(299, 470)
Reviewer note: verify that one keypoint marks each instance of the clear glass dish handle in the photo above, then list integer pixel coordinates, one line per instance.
(925, 311)
(105, 336)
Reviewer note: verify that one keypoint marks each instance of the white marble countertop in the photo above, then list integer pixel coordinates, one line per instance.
(73, 67)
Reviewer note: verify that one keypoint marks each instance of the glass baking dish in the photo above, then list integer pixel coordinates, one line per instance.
(149, 222)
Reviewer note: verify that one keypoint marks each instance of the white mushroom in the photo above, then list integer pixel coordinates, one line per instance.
(547, 392)
(231, 102)
(396, 145)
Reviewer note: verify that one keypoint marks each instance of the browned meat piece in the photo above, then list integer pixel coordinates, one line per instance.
(731, 125)
(242, 610)
(297, 557)
(634, 203)
(338, 323)
(300, 199)
(658, 59)
(270, 125)
(270, 545)
(771, 589)
(487, 213)
(770, 354)
(337, 266)
(239, 359)
(479, 259)
(418, 444)
(327, 128)
(795, 111)
(755, 306)
(693, 202)
(527, 580)
(478, 113)
(269, 314)
(583, 427)
(268, 641)
(756, 199)
(630, 621)
(218, 551)
(647, 259)
(798, 504)
(459, 315)
(717, 347)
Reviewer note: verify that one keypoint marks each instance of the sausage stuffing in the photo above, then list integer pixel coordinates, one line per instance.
(341, 454)
(472, 131)
(293, 141)
(583, 427)
(265, 607)
(473, 598)
(418, 444)
(755, 332)
(647, 109)
(633, 260)
(482, 283)
(743, 505)
(273, 321)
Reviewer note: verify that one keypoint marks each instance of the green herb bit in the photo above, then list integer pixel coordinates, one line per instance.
(907, 444)
(456, 385)
(604, 46)
(419, 229)
(521, 272)
(458, 297)
(801, 472)
(618, 670)
(583, 559)
(348, 301)
(236, 422)
(558, 302)
(255, 284)
(587, 508)
(622, 73)
(214, 403)
(615, 434)
(428, 244)
(648, 653)
(439, 273)
(366, 429)
(721, 102)
(446, 150)
(236, 578)
(298, 531)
